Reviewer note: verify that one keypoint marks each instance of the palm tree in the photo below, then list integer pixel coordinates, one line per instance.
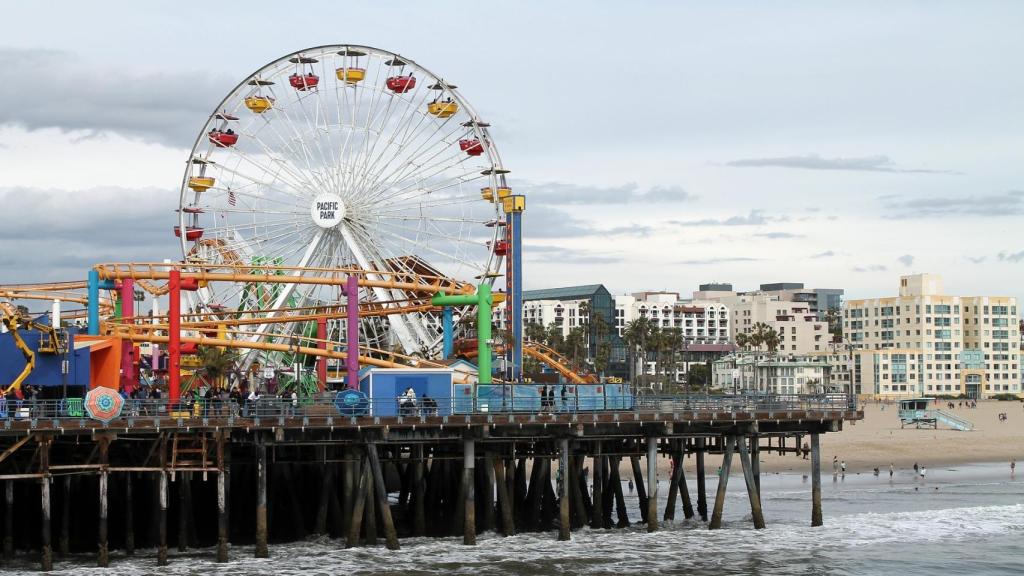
(743, 340)
(636, 335)
(216, 363)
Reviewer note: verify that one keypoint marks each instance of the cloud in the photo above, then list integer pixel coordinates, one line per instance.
(557, 223)
(560, 193)
(754, 218)
(561, 255)
(53, 89)
(705, 261)
(778, 235)
(870, 268)
(825, 254)
(1006, 204)
(814, 162)
(1012, 257)
(907, 260)
(59, 234)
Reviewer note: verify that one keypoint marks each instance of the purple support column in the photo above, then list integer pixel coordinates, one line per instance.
(128, 380)
(352, 317)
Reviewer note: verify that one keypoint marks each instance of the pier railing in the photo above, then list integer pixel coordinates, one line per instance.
(329, 405)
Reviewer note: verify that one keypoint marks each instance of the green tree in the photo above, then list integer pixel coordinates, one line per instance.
(637, 335)
(216, 363)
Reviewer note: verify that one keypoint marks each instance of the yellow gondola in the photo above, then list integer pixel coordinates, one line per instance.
(200, 183)
(351, 75)
(259, 104)
(504, 193)
(443, 109)
(487, 194)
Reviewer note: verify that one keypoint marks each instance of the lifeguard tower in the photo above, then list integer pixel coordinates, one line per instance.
(916, 411)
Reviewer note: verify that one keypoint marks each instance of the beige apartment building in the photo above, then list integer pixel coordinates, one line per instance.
(799, 328)
(924, 342)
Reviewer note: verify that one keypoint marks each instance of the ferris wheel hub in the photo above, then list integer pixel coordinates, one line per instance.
(327, 210)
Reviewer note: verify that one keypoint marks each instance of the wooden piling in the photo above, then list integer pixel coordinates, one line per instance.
(348, 482)
(652, 484)
(508, 527)
(748, 476)
(326, 488)
(684, 493)
(620, 501)
(261, 500)
(641, 491)
(64, 540)
(184, 504)
(673, 483)
(103, 554)
(129, 516)
(597, 484)
(370, 517)
(380, 488)
(755, 461)
(9, 520)
(723, 483)
(162, 501)
(419, 491)
(488, 496)
(702, 493)
(577, 510)
(469, 499)
(45, 549)
(816, 519)
(161, 551)
(222, 502)
(534, 496)
(564, 523)
(358, 508)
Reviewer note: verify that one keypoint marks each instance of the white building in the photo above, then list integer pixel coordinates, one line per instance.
(773, 374)
(701, 322)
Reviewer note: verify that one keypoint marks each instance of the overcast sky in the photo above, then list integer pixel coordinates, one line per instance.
(660, 144)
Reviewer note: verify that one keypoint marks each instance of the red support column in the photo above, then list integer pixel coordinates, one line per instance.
(129, 382)
(174, 336)
(321, 365)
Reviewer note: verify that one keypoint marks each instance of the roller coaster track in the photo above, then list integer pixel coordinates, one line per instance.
(540, 352)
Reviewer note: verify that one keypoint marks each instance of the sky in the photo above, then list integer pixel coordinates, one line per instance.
(660, 144)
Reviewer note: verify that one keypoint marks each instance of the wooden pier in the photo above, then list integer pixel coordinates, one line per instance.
(246, 482)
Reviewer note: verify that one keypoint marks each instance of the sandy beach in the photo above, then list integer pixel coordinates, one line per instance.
(878, 440)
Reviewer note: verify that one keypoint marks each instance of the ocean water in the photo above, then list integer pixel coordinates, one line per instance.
(961, 520)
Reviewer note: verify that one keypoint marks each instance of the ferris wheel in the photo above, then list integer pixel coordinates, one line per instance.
(343, 157)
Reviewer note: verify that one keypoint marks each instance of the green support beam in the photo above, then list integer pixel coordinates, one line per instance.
(483, 302)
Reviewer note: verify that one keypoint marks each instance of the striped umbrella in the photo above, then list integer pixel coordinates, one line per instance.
(103, 404)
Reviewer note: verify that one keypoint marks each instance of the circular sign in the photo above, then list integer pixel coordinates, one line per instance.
(327, 210)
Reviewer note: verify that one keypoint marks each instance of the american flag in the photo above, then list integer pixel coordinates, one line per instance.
(231, 197)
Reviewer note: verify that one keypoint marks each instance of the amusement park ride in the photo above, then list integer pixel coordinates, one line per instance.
(334, 208)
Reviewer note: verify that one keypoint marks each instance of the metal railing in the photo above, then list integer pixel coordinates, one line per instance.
(330, 405)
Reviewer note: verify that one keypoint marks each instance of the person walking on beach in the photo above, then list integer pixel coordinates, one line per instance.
(891, 469)
(915, 468)
(631, 486)
(835, 465)
(923, 472)
(1013, 466)
(843, 468)
(806, 449)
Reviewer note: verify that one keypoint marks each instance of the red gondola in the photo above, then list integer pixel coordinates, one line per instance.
(222, 139)
(189, 348)
(192, 210)
(473, 147)
(304, 82)
(501, 247)
(401, 84)
(191, 233)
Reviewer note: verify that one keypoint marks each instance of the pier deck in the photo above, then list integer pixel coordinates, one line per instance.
(313, 469)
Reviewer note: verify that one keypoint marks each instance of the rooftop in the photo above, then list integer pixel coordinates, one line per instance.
(564, 293)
